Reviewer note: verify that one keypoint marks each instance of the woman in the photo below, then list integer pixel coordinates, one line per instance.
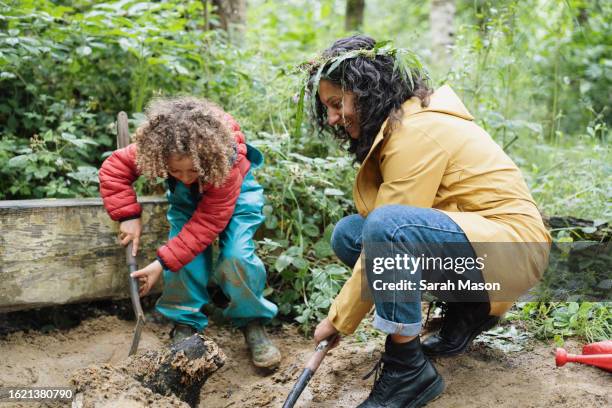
(433, 185)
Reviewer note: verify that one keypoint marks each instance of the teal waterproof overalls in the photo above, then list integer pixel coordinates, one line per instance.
(238, 271)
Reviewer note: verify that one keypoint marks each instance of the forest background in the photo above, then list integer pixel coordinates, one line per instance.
(536, 74)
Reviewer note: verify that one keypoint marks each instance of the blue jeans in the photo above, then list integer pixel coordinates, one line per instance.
(394, 230)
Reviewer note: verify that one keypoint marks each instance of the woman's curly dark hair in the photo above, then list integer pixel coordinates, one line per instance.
(380, 90)
(185, 126)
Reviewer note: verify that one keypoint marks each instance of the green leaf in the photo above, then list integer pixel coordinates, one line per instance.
(271, 221)
(82, 142)
(381, 44)
(599, 222)
(573, 308)
(282, 262)
(84, 50)
(335, 62)
(323, 249)
(299, 263)
(299, 115)
(294, 251)
(19, 161)
(126, 44)
(85, 174)
(42, 172)
(315, 87)
(311, 230)
(333, 192)
(7, 75)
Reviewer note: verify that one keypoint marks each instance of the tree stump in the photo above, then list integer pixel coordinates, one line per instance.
(170, 377)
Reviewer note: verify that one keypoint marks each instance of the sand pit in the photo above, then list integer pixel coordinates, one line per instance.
(484, 377)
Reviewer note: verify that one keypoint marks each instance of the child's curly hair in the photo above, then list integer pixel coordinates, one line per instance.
(185, 126)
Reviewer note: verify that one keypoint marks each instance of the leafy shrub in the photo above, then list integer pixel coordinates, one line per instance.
(306, 196)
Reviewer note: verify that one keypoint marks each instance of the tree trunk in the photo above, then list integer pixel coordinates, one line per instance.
(354, 15)
(232, 15)
(171, 377)
(441, 17)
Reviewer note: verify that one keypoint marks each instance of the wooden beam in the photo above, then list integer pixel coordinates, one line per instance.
(59, 251)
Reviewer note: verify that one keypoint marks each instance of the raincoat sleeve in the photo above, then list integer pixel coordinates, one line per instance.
(349, 308)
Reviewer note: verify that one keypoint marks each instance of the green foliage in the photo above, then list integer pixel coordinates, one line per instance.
(536, 67)
(75, 67)
(572, 178)
(56, 162)
(592, 321)
(303, 204)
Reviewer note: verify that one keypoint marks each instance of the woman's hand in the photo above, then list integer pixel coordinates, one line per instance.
(130, 230)
(148, 276)
(324, 330)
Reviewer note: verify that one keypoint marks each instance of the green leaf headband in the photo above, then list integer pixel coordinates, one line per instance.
(406, 63)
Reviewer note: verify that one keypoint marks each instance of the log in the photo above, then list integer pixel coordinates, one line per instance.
(171, 377)
(56, 252)
(61, 251)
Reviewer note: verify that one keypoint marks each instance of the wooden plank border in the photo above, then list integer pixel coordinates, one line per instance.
(59, 251)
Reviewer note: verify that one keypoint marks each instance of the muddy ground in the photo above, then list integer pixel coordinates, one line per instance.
(484, 377)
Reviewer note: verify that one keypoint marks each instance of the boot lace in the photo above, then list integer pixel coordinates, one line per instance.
(381, 381)
(444, 312)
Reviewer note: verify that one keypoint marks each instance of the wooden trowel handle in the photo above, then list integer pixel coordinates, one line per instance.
(123, 131)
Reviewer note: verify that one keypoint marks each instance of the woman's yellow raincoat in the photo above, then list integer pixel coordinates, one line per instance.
(437, 157)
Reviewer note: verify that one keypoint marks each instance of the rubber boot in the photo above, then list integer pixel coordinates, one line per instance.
(407, 378)
(264, 353)
(180, 332)
(462, 322)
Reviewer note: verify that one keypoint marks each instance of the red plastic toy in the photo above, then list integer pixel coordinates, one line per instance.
(595, 354)
(602, 347)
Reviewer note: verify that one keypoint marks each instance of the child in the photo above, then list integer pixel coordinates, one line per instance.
(201, 152)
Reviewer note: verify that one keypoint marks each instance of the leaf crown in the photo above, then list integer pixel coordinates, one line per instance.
(406, 63)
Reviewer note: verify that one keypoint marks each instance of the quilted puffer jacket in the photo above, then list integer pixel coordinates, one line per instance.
(212, 214)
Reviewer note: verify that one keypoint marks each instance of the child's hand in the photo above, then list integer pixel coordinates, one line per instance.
(148, 276)
(130, 230)
(325, 330)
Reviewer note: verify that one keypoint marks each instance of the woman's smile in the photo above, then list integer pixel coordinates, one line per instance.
(340, 106)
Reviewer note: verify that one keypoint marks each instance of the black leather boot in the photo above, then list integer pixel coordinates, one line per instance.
(461, 324)
(407, 378)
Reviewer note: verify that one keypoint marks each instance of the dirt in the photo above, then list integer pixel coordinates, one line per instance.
(170, 377)
(105, 386)
(484, 377)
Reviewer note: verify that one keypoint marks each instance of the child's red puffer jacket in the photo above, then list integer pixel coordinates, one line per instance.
(212, 215)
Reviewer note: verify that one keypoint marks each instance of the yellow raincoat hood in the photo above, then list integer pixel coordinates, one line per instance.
(444, 100)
